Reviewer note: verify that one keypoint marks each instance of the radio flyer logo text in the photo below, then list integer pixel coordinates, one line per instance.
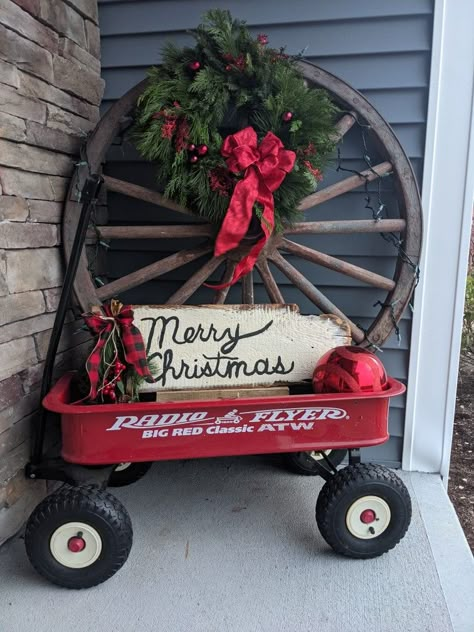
(231, 422)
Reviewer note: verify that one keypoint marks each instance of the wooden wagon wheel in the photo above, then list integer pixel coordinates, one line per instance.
(407, 226)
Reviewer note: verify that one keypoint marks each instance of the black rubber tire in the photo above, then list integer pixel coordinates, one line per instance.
(303, 463)
(90, 505)
(133, 473)
(349, 484)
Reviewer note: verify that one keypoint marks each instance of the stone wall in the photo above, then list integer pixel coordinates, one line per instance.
(50, 89)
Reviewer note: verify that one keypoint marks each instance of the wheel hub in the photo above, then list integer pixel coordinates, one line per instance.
(75, 545)
(368, 517)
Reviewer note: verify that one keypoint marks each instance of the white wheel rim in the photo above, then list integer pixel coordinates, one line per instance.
(318, 456)
(368, 530)
(121, 467)
(58, 545)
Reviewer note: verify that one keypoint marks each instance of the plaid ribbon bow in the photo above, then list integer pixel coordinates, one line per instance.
(117, 321)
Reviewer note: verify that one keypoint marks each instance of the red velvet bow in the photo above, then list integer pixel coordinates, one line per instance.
(265, 169)
(118, 320)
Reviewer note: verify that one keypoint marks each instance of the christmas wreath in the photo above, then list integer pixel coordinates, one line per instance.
(236, 132)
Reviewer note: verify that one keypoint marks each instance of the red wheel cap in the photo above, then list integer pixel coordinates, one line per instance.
(76, 545)
(367, 516)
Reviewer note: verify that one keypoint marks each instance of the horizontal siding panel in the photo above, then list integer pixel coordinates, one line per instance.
(364, 72)
(172, 15)
(400, 106)
(379, 71)
(335, 39)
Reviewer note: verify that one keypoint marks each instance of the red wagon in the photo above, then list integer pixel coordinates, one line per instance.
(81, 535)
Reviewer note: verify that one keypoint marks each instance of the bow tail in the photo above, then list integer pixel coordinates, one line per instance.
(247, 263)
(94, 360)
(239, 214)
(134, 350)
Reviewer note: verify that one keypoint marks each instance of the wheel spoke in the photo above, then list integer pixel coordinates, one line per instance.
(154, 232)
(338, 265)
(347, 227)
(151, 271)
(142, 193)
(248, 297)
(221, 295)
(344, 124)
(314, 295)
(269, 282)
(194, 282)
(334, 190)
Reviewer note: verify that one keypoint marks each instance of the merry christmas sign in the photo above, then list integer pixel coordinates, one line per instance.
(213, 346)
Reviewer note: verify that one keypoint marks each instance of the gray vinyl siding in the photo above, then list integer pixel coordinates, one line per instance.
(381, 48)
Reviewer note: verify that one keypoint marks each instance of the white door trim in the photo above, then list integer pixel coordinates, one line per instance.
(448, 189)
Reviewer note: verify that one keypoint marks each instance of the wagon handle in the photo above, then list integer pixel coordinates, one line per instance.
(88, 198)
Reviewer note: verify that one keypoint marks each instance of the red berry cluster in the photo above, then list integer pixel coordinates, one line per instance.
(109, 391)
(119, 367)
(109, 388)
(196, 152)
(262, 39)
(238, 63)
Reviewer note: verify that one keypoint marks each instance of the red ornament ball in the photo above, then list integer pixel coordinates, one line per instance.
(194, 66)
(202, 150)
(192, 147)
(287, 116)
(228, 67)
(349, 370)
(193, 159)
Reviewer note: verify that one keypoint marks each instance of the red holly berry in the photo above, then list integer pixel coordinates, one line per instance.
(194, 66)
(112, 396)
(192, 147)
(287, 116)
(228, 67)
(193, 159)
(202, 150)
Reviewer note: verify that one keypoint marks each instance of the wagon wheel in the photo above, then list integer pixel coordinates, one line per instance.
(406, 229)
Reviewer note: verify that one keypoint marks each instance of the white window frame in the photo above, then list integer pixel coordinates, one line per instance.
(448, 190)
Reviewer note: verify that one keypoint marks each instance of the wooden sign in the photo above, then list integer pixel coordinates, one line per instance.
(214, 346)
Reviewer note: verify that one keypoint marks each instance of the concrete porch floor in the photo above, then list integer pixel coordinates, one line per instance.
(231, 545)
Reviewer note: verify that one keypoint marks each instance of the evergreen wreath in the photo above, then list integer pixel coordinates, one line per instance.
(227, 90)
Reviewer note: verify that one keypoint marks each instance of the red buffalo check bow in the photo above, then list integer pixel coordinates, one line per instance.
(117, 320)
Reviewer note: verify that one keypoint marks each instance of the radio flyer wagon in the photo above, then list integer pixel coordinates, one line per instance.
(80, 535)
